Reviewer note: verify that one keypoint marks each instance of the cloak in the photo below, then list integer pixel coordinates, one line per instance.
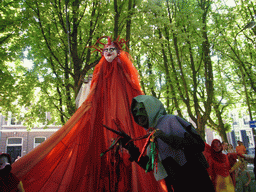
(179, 147)
(70, 159)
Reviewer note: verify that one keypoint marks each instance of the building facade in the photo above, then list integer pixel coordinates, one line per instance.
(16, 140)
(240, 131)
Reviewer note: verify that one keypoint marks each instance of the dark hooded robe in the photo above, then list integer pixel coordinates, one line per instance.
(180, 152)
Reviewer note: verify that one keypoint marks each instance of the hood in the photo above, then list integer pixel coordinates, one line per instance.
(154, 108)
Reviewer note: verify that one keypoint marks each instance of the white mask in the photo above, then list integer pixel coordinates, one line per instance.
(110, 52)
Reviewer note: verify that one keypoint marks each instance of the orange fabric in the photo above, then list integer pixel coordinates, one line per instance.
(70, 159)
(241, 149)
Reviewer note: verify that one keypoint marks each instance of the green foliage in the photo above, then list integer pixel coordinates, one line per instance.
(193, 56)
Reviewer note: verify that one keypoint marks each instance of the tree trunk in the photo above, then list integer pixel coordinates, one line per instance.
(116, 19)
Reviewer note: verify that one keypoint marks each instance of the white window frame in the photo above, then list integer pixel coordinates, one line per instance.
(14, 116)
(36, 144)
(21, 144)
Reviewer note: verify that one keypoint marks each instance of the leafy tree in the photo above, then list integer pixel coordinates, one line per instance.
(59, 39)
(196, 56)
(11, 22)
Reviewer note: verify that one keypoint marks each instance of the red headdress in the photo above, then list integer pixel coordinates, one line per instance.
(117, 43)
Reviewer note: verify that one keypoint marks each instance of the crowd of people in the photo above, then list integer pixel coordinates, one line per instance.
(228, 167)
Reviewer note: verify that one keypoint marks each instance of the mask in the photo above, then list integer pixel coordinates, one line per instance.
(110, 52)
(139, 109)
(140, 115)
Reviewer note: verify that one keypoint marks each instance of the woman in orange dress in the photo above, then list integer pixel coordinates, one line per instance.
(70, 159)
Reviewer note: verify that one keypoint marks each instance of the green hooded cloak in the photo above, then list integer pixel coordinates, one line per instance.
(154, 108)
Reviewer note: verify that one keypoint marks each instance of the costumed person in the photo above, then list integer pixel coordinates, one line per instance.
(243, 178)
(232, 157)
(174, 147)
(70, 160)
(219, 168)
(243, 159)
(8, 181)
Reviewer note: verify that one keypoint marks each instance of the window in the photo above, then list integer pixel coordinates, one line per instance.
(38, 141)
(15, 119)
(234, 119)
(14, 141)
(250, 137)
(238, 136)
(3, 120)
(235, 123)
(246, 120)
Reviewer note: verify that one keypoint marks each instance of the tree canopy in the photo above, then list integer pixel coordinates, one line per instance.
(197, 56)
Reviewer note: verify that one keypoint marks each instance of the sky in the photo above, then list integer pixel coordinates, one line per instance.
(27, 63)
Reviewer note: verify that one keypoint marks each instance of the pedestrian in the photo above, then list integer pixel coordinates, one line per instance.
(8, 181)
(225, 147)
(231, 149)
(240, 149)
(243, 178)
(219, 167)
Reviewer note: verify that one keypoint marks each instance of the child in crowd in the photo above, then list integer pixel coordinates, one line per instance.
(8, 181)
(243, 179)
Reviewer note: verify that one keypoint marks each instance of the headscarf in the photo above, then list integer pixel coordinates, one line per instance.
(217, 156)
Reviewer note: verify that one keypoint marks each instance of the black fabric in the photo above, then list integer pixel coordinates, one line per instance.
(192, 153)
(5, 171)
(134, 155)
(190, 177)
(194, 145)
(9, 183)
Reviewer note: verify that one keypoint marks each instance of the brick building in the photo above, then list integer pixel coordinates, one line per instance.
(17, 141)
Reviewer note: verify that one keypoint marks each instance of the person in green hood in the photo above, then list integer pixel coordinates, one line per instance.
(180, 159)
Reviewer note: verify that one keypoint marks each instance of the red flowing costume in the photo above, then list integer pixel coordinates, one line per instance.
(70, 159)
